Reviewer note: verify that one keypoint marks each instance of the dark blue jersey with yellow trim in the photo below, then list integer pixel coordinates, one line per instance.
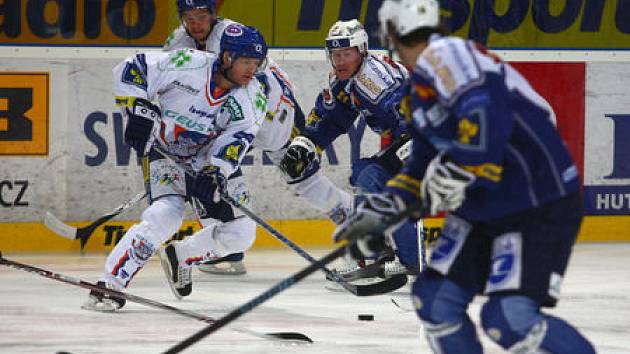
(479, 111)
(373, 93)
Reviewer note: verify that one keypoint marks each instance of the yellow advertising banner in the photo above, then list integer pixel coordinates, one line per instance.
(24, 113)
(532, 24)
(84, 22)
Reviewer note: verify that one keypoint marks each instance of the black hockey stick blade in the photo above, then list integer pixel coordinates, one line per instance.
(382, 287)
(84, 233)
(255, 302)
(290, 336)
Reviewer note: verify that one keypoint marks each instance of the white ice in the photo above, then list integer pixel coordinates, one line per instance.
(39, 315)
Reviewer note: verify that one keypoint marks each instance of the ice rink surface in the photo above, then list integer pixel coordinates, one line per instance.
(39, 315)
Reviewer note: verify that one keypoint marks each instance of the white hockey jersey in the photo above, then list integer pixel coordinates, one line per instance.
(201, 125)
(279, 121)
(278, 125)
(179, 38)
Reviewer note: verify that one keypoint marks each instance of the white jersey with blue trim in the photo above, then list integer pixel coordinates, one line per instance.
(278, 125)
(200, 125)
(279, 121)
(179, 38)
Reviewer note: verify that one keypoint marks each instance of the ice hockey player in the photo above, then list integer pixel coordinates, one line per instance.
(366, 86)
(202, 29)
(210, 109)
(485, 149)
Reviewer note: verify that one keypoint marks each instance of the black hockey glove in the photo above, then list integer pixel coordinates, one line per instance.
(369, 225)
(209, 185)
(142, 115)
(299, 156)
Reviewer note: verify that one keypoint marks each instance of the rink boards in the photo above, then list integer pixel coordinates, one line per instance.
(62, 149)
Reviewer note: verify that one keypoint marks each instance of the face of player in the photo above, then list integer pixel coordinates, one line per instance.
(199, 23)
(407, 55)
(243, 70)
(346, 62)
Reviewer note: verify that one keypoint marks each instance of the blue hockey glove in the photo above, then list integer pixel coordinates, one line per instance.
(369, 224)
(209, 185)
(299, 156)
(141, 117)
(444, 185)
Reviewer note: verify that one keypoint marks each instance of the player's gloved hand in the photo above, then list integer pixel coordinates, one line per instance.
(210, 185)
(142, 116)
(370, 224)
(299, 156)
(444, 185)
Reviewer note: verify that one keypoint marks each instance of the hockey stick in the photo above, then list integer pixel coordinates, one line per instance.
(84, 233)
(281, 286)
(382, 287)
(294, 336)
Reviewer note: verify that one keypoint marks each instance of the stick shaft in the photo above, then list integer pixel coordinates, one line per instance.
(255, 302)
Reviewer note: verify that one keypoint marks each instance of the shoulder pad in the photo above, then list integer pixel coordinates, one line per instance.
(175, 39)
(185, 59)
(374, 79)
(449, 63)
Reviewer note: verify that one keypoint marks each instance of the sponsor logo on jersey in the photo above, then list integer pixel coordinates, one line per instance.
(260, 102)
(234, 108)
(186, 122)
(181, 58)
(440, 69)
(200, 112)
(466, 130)
(183, 87)
(425, 92)
(232, 152)
(134, 76)
(24, 113)
(369, 84)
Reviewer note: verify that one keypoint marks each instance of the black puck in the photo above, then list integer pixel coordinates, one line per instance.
(365, 317)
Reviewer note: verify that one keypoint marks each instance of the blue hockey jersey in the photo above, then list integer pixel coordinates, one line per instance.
(479, 111)
(373, 93)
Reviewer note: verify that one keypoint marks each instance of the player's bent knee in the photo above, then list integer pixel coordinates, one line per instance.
(509, 320)
(439, 300)
(165, 215)
(237, 235)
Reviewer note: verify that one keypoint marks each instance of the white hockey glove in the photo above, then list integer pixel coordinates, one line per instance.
(369, 225)
(444, 185)
(299, 156)
(142, 117)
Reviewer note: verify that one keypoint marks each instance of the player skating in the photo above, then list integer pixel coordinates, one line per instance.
(209, 112)
(486, 150)
(370, 87)
(201, 29)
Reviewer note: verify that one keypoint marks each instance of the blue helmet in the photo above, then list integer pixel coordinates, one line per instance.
(243, 41)
(186, 5)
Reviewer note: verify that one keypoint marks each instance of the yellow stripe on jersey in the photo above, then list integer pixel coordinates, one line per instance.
(125, 101)
(406, 183)
(489, 171)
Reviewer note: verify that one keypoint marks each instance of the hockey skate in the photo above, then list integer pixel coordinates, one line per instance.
(179, 278)
(229, 265)
(97, 301)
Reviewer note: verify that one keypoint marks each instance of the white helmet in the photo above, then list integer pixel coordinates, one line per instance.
(347, 34)
(407, 16)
